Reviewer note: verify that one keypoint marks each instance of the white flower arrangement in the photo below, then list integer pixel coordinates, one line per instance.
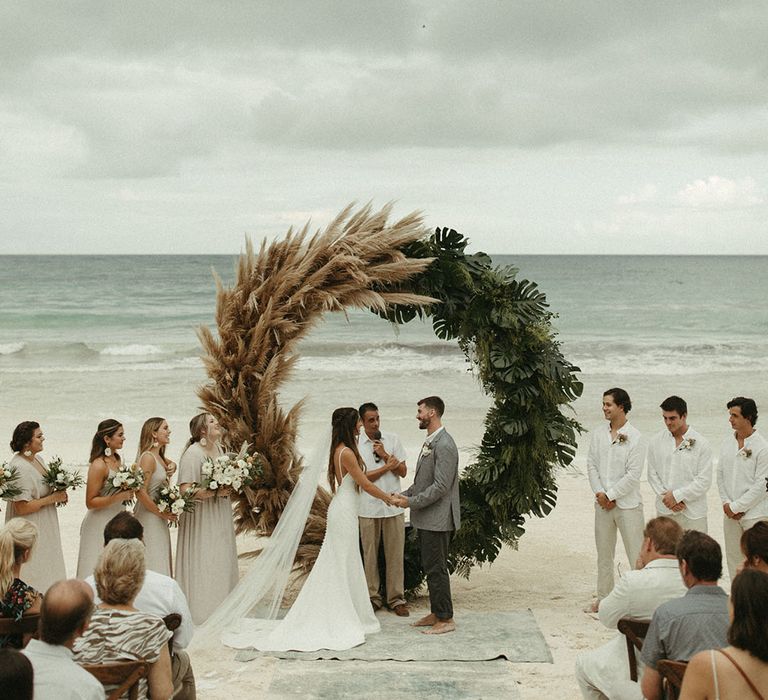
(745, 452)
(126, 478)
(233, 471)
(621, 438)
(687, 444)
(426, 450)
(60, 479)
(8, 478)
(170, 499)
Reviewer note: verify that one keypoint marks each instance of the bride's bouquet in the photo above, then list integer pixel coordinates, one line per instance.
(170, 499)
(60, 479)
(8, 478)
(235, 471)
(126, 478)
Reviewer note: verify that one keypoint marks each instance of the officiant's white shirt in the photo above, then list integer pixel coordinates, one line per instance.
(684, 469)
(370, 506)
(741, 478)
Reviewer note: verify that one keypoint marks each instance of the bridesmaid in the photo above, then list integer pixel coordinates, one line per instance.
(37, 503)
(206, 553)
(102, 507)
(155, 435)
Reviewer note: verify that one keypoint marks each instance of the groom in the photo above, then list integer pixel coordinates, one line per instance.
(434, 502)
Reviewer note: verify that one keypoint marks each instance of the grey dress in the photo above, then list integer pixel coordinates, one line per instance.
(92, 531)
(206, 551)
(157, 539)
(46, 565)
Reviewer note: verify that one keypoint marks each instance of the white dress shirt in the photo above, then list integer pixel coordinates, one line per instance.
(389, 482)
(161, 595)
(741, 475)
(614, 466)
(57, 676)
(684, 469)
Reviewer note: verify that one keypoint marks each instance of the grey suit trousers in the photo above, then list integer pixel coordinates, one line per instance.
(434, 559)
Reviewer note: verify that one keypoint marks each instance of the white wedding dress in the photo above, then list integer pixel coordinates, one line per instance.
(333, 610)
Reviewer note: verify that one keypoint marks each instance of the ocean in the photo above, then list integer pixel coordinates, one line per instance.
(84, 338)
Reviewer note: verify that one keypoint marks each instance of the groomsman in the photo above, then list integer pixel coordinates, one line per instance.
(614, 466)
(680, 468)
(435, 512)
(378, 521)
(741, 473)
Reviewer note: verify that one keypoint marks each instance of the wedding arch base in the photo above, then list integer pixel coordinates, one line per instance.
(401, 271)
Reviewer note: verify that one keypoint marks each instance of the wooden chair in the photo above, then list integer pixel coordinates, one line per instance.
(26, 626)
(634, 631)
(172, 623)
(123, 674)
(671, 673)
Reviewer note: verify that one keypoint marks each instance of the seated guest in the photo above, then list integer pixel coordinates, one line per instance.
(741, 669)
(64, 617)
(637, 594)
(754, 547)
(161, 596)
(17, 540)
(699, 620)
(16, 677)
(120, 632)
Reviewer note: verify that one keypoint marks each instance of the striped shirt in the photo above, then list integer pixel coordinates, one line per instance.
(122, 635)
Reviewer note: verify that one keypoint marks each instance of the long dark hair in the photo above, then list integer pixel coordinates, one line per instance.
(107, 428)
(343, 424)
(22, 434)
(749, 597)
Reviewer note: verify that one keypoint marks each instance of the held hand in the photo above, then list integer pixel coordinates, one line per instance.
(59, 497)
(602, 500)
(678, 507)
(170, 517)
(729, 513)
(170, 469)
(392, 463)
(398, 500)
(668, 500)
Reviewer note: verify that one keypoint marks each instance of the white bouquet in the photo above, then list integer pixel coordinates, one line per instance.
(170, 499)
(8, 478)
(235, 471)
(127, 478)
(60, 479)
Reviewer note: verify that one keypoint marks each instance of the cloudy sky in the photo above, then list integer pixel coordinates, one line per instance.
(533, 127)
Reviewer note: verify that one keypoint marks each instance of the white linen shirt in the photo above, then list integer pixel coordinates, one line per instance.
(57, 676)
(684, 469)
(615, 466)
(741, 478)
(640, 591)
(389, 482)
(160, 595)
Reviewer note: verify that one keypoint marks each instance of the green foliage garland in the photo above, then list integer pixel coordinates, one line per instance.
(503, 326)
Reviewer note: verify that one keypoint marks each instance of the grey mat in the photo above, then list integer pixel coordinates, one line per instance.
(514, 636)
(393, 681)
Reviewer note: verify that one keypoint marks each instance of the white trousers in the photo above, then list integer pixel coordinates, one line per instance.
(630, 523)
(598, 671)
(687, 523)
(732, 530)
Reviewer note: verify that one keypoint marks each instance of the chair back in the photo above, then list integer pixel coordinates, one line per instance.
(26, 627)
(671, 673)
(125, 675)
(172, 623)
(634, 631)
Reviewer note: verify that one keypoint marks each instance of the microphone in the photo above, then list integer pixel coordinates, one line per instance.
(377, 436)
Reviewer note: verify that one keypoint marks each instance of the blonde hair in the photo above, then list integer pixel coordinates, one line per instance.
(151, 425)
(16, 538)
(120, 571)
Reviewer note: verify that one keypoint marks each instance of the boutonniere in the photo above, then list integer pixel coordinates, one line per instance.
(426, 450)
(745, 452)
(621, 438)
(687, 444)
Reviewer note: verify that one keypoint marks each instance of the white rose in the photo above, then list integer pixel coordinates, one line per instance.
(213, 485)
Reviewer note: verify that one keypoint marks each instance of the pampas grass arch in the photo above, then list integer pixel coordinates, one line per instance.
(400, 271)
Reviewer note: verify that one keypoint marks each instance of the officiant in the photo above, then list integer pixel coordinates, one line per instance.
(378, 521)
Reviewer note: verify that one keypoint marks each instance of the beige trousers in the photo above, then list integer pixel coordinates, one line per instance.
(629, 522)
(732, 530)
(183, 677)
(392, 531)
(687, 523)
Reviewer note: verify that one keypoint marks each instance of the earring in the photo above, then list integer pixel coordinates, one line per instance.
(27, 453)
(203, 442)
(108, 452)
(155, 444)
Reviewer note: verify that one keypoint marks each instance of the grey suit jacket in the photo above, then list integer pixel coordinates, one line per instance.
(434, 495)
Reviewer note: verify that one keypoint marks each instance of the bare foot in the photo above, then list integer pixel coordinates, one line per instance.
(592, 607)
(441, 627)
(426, 621)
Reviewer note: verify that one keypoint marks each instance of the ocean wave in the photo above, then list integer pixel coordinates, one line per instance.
(11, 348)
(391, 359)
(134, 349)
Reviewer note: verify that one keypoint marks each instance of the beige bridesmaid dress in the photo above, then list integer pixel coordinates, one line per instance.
(157, 538)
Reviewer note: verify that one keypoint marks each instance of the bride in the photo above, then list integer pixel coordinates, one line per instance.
(333, 610)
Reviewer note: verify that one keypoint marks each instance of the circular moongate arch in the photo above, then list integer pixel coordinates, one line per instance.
(400, 271)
